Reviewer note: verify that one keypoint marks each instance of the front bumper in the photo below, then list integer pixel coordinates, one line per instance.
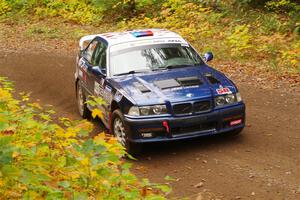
(212, 123)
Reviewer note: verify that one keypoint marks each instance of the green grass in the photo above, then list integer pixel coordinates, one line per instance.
(39, 30)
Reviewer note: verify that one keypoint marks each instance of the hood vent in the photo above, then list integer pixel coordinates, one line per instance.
(189, 81)
(212, 79)
(141, 87)
(178, 82)
(167, 84)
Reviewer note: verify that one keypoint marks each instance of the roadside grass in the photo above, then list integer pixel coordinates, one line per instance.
(40, 30)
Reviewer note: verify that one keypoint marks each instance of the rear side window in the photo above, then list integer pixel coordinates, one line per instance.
(90, 51)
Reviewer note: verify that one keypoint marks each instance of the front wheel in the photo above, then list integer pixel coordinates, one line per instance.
(121, 132)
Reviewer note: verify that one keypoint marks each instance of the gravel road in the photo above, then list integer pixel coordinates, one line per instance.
(262, 163)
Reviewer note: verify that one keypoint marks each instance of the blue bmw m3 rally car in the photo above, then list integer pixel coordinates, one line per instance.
(156, 88)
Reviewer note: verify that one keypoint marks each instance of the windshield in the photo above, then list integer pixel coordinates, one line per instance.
(153, 57)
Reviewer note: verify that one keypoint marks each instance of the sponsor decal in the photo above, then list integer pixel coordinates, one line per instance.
(118, 96)
(103, 93)
(189, 95)
(119, 47)
(224, 90)
(107, 96)
(80, 73)
(181, 88)
(97, 89)
(174, 41)
(106, 93)
(83, 74)
(108, 88)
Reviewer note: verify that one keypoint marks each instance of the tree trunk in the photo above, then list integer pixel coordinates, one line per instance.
(132, 6)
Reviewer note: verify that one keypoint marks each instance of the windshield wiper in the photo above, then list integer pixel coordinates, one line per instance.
(130, 72)
(178, 66)
(159, 69)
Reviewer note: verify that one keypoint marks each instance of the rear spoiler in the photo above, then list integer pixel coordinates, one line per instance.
(83, 42)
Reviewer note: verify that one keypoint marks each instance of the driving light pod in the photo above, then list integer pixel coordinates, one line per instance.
(134, 111)
(238, 97)
(145, 110)
(230, 98)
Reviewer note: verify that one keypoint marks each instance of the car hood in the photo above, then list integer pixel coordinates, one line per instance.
(174, 85)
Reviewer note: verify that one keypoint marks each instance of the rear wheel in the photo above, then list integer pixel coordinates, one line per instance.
(83, 110)
(121, 132)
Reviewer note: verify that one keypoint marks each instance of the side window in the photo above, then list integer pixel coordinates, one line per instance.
(99, 58)
(102, 62)
(97, 52)
(90, 51)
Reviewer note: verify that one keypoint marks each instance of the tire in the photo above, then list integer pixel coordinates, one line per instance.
(121, 131)
(83, 110)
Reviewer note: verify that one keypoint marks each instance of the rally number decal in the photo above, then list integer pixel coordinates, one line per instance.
(224, 91)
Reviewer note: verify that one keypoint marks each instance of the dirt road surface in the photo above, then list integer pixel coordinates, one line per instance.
(262, 163)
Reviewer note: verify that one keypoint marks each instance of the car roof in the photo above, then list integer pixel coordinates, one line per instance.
(114, 38)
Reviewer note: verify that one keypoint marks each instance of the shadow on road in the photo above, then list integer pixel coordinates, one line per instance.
(192, 145)
(160, 149)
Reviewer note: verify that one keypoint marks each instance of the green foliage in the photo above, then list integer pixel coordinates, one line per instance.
(79, 11)
(43, 160)
(4, 7)
(239, 40)
(71, 10)
(291, 57)
(232, 36)
(245, 28)
(283, 6)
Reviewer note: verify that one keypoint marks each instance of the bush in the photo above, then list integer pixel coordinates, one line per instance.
(42, 159)
(239, 40)
(4, 7)
(291, 57)
(283, 6)
(82, 12)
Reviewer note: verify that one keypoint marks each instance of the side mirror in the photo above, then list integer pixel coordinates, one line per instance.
(82, 53)
(99, 71)
(208, 56)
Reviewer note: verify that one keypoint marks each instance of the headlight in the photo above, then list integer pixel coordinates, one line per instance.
(227, 99)
(134, 111)
(220, 100)
(145, 110)
(148, 110)
(230, 98)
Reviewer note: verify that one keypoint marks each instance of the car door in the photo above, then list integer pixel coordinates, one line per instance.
(100, 85)
(93, 63)
(86, 67)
